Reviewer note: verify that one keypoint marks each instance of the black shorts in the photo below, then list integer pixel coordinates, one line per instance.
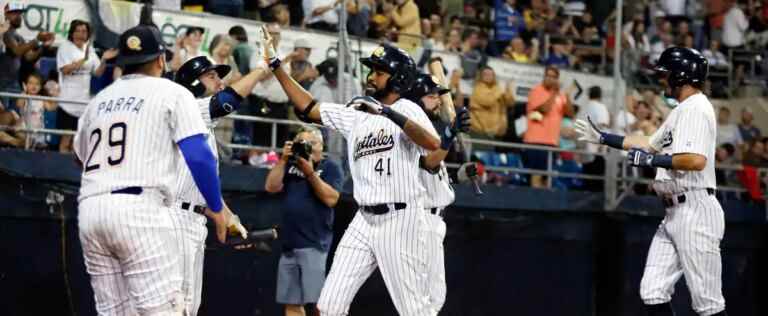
(536, 158)
(65, 121)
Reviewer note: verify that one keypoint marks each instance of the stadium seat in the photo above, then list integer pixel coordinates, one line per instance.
(567, 166)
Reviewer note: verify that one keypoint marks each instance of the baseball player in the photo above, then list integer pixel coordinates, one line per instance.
(687, 243)
(214, 100)
(385, 135)
(128, 142)
(426, 92)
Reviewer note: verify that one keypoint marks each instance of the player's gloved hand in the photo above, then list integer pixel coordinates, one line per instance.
(588, 131)
(640, 158)
(268, 49)
(220, 221)
(366, 104)
(235, 228)
(460, 124)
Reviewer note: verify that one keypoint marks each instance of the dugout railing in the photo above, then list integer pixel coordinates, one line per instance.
(625, 177)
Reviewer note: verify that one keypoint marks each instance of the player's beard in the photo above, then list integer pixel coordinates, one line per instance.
(376, 93)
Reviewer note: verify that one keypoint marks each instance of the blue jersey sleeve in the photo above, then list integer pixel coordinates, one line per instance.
(202, 165)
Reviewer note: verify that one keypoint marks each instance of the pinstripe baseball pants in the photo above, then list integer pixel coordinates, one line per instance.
(131, 254)
(192, 233)
(400, 244)
(687, 243)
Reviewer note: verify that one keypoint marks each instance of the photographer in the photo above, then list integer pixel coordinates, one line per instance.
(308, 186)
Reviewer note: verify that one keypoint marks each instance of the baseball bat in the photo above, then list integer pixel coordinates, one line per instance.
(267, 234)
(448, 112)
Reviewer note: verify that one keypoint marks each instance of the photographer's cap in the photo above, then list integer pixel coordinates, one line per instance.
(140, 44)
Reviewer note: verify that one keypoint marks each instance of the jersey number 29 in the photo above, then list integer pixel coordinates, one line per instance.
(115, 139)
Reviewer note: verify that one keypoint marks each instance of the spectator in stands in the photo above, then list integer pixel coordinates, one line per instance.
(754, 156)
(537, 16)
(488, 106)
(587, 28)
(638, 39)
(52, 89)
(545, 110)
(748, 131)
(77, 62)
(326, 88)
(473, 57)
(517, 52)
(715, 57)
(221, 54)
(686, 40)
(735, 25)
(598, 113)
(727, 132)
(10, 138)
(560, 56)
(665, 40)
(233, 8)
(508, 22)
(187, 47)
(724, 154)
(683, 28)
(281, 15)
(453, 42)
(16, 48)
(359, 14)
(31, 111)
(321, 15)
(242, 52)
(301, 69)
(268, 98)
(308, 190)
(405, 18)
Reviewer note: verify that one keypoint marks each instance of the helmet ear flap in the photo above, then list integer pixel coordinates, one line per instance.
(197, 88)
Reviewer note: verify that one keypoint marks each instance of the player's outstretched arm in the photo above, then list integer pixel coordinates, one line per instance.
(302, 100)
(589, 132)
(418, 134)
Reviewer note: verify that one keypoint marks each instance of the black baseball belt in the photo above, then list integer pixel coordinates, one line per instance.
(677, 199)
(379, 209)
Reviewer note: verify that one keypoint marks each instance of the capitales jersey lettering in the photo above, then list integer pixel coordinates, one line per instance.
(130, 104)
(372, 144)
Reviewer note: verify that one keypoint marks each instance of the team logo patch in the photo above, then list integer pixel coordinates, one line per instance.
(378, 52)
(373, 144)
(667, 140)
(133, 43)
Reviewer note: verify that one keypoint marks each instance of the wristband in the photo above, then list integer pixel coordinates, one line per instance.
(662, 161)
(612, 140)
(275, 63)
(394, 116)
(447, 140)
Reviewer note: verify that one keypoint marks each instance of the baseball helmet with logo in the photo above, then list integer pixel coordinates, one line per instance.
(423, 85)
(683, 66)
(189, 74)
(395, 62)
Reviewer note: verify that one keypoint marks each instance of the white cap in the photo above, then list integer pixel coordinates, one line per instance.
(12, 6)
(301, 43)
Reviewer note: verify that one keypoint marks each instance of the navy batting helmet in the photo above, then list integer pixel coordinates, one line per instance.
(684, 66)
(395, 62)
(424, 85)
(190, 72)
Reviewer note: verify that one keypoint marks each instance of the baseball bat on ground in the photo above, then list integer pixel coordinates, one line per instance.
(448, 115)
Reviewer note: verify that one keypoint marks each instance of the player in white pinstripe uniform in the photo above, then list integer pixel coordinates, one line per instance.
(214, 100)
(385, 136)
(425, 92)
(687, 243)
(127, 141)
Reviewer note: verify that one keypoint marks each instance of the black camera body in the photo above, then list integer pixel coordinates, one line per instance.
(301, 149)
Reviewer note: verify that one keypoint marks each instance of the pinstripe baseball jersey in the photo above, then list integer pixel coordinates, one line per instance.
(689, 128)
(383, 160)
(186, 189)
(439, 190)
(127, 135)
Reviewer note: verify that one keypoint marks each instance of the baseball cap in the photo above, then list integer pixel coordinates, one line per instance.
(301, 43)
(140, 44)
(15, 6)
(192, 29)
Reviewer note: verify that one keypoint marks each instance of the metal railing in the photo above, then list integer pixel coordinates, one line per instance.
(623, 179)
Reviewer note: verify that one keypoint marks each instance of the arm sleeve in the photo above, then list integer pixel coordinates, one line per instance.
(185, 118)
(695, 135)
(332, 175)
(338, 117)
(224, 103)
(202, 164)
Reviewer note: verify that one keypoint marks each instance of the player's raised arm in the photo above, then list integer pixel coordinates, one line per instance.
(302, 100)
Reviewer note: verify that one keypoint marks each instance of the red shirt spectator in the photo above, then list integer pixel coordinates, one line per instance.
(550, 104)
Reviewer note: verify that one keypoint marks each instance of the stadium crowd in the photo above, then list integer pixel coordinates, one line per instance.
(558, 34)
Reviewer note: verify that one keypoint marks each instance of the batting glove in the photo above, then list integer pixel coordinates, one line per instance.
(460, 125)
(234, 227)
(588, 132)
(268, 49)
(366, 104)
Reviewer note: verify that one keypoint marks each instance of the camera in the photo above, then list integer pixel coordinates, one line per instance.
(301, 148)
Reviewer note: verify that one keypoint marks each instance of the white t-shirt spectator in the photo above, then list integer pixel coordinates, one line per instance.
(269, 88)
(728, 133)
(673, 7)
(623, 121)
(76, 85)
(323, 92)
(734, 26)
(330, 16)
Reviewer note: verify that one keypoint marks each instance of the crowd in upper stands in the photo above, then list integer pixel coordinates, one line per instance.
(558, 34)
